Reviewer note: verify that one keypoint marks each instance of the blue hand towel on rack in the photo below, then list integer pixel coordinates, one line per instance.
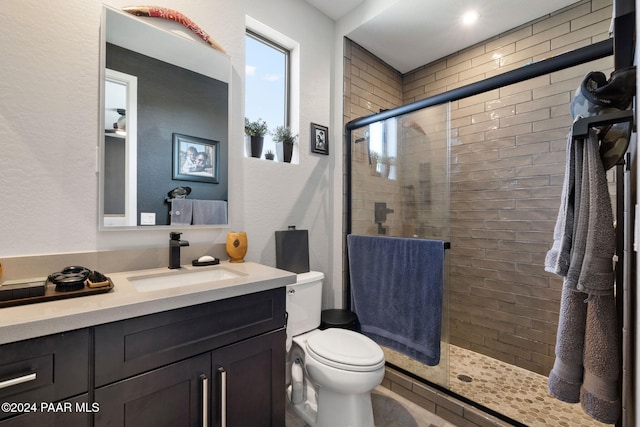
(396, 291)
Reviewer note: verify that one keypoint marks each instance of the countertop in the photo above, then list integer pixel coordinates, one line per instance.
(124, 301)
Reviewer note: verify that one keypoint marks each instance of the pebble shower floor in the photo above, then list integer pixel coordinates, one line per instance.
(512, 391)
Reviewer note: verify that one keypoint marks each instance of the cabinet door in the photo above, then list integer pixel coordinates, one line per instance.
(45, 369)
(173, 396)
(250, 385)
(74, 412)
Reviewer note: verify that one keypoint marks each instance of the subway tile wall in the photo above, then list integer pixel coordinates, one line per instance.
(506, 171)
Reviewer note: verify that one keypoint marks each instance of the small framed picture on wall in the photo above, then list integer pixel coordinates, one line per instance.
(319, 139)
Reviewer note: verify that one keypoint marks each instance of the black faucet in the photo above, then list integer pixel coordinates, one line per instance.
(174, 249)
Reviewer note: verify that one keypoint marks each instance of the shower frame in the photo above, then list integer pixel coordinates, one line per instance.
(621, 46)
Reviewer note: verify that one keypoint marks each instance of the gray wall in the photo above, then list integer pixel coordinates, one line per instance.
(172, 100)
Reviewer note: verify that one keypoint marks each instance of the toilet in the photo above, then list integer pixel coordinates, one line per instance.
(331, 372)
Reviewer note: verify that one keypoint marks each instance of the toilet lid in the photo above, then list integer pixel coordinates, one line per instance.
(344, 349)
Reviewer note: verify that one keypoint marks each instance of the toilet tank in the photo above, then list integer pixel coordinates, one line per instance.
(304, 303)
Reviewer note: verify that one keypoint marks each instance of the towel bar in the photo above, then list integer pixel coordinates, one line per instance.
(581, 126)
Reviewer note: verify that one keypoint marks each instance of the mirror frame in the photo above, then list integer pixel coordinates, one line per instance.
(167, 41)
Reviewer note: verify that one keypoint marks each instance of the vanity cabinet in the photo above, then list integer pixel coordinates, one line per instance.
(219, 363)
(38, 373)
(193, 366)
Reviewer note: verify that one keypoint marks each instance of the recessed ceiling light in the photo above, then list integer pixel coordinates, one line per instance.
(470, 17)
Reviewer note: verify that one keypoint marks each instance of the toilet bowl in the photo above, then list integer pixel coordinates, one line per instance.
(330, 372)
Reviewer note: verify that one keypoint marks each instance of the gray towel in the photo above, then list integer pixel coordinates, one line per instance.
(597, 275)
(209, 212)
(599, 392)
(396, 290)
(565, 378)
(181, 211)
(558, 258)
(587, 361)
(592, 243)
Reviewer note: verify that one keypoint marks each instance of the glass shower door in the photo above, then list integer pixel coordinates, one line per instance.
(400, 188)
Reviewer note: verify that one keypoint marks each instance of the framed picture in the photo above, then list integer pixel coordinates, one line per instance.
(195, 159)
(319, 139)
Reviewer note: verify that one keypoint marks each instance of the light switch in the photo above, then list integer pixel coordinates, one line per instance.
(147, 218)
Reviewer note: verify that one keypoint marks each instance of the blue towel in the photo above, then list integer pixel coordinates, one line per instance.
(396, 291)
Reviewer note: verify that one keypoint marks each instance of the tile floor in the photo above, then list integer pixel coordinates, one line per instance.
(389, 410)
(512, 391)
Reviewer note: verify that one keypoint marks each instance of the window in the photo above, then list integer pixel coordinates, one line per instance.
(266, 84)
(383, 142)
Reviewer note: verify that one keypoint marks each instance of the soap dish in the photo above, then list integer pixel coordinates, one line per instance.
(97, 280)
(197, 263)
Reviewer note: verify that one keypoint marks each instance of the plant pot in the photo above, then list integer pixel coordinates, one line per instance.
(385, 169)
(374, 167)
(256, 146)
(288, 151)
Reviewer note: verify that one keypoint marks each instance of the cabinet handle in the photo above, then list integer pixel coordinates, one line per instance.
(205, 400)
(18, 380)
(223, 397)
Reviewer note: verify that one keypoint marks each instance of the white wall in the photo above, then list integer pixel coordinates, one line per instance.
(49, 89)
(277, 195)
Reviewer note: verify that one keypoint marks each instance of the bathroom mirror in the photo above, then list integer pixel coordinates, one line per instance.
(159, 81)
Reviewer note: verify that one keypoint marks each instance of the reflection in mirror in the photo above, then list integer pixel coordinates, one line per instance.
(182, 89)
(120, 149)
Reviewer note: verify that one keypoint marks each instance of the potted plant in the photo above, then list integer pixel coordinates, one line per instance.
(373, 163)
(386, 163)
(269, 155)
(283, 134)
(255, 131)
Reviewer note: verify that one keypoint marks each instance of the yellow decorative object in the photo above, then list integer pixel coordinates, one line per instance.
(237, 245)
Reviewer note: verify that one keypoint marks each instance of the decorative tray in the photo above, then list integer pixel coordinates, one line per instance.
(50, 294)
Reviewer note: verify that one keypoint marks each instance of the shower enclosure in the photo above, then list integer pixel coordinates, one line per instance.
(480, 167)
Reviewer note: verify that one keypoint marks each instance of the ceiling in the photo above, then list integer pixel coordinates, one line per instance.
(407, 34)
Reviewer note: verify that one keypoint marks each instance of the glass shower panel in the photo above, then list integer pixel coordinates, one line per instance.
(400, 188)
(485, 173)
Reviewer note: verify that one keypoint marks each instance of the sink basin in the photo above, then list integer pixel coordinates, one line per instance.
(179, 278)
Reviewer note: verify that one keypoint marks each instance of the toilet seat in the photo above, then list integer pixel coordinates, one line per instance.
(346, 350)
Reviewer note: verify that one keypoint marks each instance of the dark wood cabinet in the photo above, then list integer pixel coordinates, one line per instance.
(193, 366)
(74, 412)
(223, 359)
(249, 382)
(139, 344)
(174, 395)
(41, 371)
(242, 384)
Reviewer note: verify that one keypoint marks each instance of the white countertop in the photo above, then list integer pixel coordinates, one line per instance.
(125, 301)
